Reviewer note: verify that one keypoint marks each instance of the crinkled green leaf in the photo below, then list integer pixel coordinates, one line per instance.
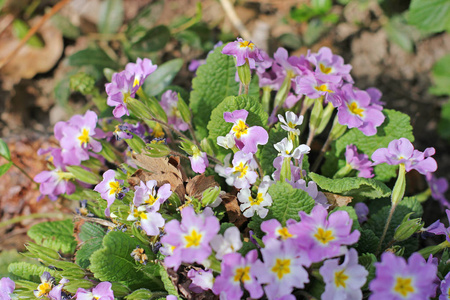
(356, 187)
(395, 126)
(256, 115)
(441, 77)
(56, 235)
(73, 285)
(162, 77)
(168, 284)
(368, 241)
(92, 237)
(268, 152)
(367, 260)
(29, 271)
(413, 205)
(111, 16)
(144, 294)
(114, 263)
(94, 57)
(430, 15)
(215, 81)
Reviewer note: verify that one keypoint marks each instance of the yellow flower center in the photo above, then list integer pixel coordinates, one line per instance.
(323, 88)
(43, 289)
(158, 131)
(241, 169)
(291, 125)
(340, 278)
(242, 274)
(84, 136)
(125, 97)
(195, 151)
(281, 267)
(240, 128)
(114, 187)
(284, 233)
(151, 200)
(139, 214)
(136, 82)
(324, 69)
(354, 109)
(403, 286)
(246, 44)
(324, 236)
(193, 239)
(256, 201)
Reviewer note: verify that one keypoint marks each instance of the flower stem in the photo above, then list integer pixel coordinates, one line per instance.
(388, 221)
(24, 172)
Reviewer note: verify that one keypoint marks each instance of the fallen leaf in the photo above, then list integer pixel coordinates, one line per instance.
(197, 185)
(234, 213)
(337, 200)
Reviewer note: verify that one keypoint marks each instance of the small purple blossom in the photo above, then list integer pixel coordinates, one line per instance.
(119, 89)
(402, 151)
(241, 174)
(201, 280)
(356, 111)
(321, 235)
(199, 160)
(274, 230)
(169, 102)
(312, 190)
(102, 291)
(314, 88)
(397, 279)
(190, 237)
(237, 271)
(438, 187)
(361, 210)
(439, 229)
(330, 66)
(359, 162)
(247, 138)
(140, 70)
(293, 65)
(109, 188)
(445, 288)
(7, 286)
(243, 51)
(149, 195)
(343, 281)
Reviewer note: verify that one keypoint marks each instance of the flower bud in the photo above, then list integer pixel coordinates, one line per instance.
(245, 75)
(407, 229)
(83, 175)
(83, 83)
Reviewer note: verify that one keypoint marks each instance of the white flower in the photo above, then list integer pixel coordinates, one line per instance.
(291, 122)
(227, 142)
(284, 147)
(228, 243)
(257, 205)
(300, 151)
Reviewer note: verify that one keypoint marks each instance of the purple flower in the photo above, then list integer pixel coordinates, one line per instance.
(343, 281)
(323, 237)
(359, 162)
(314, 88)
(357, 112)
(274, 230)
(247, 138)
(243, 51)
(78, 137)
(361, 210)
(7, 286)
(46, 285)
(57, 292)
(396, 279)
(199, 160)
(190, 238)
(109, 188)
(149, 195)
(241, 174)
(402, 151)
(273, 78)
(312, 191)
(439, 229)
(102, 291)
(150, 221)
(293, 65)
(236, 271)
(277, 164)
(119, 89)
(291, 100)
(330, 66)
(169, 102)
(195, 63)
(445, 288)
(375, 96)
(282, 269)
(140, 70)
(201, 280)
(438, 187)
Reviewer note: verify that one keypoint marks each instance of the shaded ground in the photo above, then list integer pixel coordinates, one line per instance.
(29, 109)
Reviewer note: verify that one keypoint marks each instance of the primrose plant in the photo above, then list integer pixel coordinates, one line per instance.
(275, 177)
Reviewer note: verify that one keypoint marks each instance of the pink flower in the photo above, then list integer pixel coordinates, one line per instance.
(315, 87)
(241, 174)
(141, 69)
(121, 87)
(359, 162)
(7, 286)
(247, 138)
(169, 102)
(190, 238)
(109, 188)
(199, 160)
(330, 66)
(102, 291)
(201, 280)
(243, 51)
(274, 230)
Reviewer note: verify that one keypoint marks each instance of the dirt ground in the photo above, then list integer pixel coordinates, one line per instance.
(29, 109)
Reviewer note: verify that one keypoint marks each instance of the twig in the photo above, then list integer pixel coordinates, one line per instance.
(312, 132)
(388, 221)
(191, 130)
(32, 31)
(24, 172)
(237, 23)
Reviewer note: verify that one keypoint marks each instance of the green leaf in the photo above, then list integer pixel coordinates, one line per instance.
(92, 237)
(413, 205)
(4, 150)
(84, 175)
(400, 33)
(268, 152)
(367, 260)
(215, 81)
(111, 16)
(168, 284)
(56, 235)
(368, 241)
(94, 57)
(29, 271)
(114, 263)
(256, 114)
(73, 285)
(67, 29)
(144, 21)
(430, 15)
(444, 122)
(162, 77)
(356, 187)
(20, 29)
(395, 126)
(144, 294)
(5, 167)
(441, 77)
(154, 40)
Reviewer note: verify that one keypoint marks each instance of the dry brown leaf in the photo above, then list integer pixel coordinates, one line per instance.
(337, 200)
(160, 169)
(197, 185)
(234, 213)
